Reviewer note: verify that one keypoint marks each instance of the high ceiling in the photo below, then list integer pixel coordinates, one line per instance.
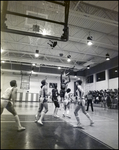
(96, 19)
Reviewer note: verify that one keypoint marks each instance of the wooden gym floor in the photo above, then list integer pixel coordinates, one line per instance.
(59, 133)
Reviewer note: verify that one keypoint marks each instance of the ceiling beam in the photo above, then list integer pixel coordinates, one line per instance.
(39, 62)
(52, 56)
(34, 73)
(77, 5)
(93, 18)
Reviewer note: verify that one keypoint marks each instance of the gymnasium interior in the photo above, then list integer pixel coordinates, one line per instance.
(39, 41)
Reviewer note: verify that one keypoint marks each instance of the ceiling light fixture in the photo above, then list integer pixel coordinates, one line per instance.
(89, 40)
(68, 58)
(33, 64)
(75, 74)
(60, 54)
(88, 67)
(1, 50)
(3, 61)
(107, 56)
(59, 68)
(37, 53)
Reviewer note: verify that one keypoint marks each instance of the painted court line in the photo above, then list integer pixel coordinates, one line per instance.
(83, 131)
(94, 138)
(55, 121)
(104, 117)
(28, 121)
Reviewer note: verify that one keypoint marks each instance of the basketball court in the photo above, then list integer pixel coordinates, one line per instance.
(59, 133)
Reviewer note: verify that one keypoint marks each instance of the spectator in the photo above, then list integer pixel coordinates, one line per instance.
(89, 100)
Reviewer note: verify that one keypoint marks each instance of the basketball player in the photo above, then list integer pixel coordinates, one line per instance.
(66, 103)
(43, 102)
(7, 101)
(81, 104)
(55, 94)
(64, 85)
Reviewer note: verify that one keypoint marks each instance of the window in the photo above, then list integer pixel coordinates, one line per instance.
(100, 76)
(113, 73)
(89, 79)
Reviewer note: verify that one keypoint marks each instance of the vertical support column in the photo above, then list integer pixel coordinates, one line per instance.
(32, 97)
(94, 78)
(21, 97)
(3, 14)
(37, 97)
(29, 97)
(17, 99)
(107, 78)
(26, 99)
(24, 96)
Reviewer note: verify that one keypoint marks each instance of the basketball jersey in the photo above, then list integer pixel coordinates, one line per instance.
(7, 93)
(80, 92)
(43, 94)
(67, 95)
(63, 86)
(54, 93)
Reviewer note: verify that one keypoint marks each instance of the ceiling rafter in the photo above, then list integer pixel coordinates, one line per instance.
(63, 50)
(99, 7)
(104, 38)
(91, 30)
(38, 62)
(94, 18)
(77, 5)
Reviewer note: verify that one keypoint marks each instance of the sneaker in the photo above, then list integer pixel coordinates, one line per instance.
(40, 122)
(63, 115)
(35, 121)
(91, 123)
(57, 116)
(80, 125)
(68, 116)
(21, 129)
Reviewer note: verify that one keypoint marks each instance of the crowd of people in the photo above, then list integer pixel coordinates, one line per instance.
(107, 98)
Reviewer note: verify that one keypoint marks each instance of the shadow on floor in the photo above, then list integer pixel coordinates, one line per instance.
(54, 134)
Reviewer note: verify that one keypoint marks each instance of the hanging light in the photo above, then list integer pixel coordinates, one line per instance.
(75, 74)
(88, 67)
(59, 68)
(69, 58)
(107, 56)
(37, 53)
(33, 64)
(3, 61)
(89, 40)
(1, 50)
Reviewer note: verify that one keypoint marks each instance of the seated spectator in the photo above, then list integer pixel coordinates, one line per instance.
(109, 102)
